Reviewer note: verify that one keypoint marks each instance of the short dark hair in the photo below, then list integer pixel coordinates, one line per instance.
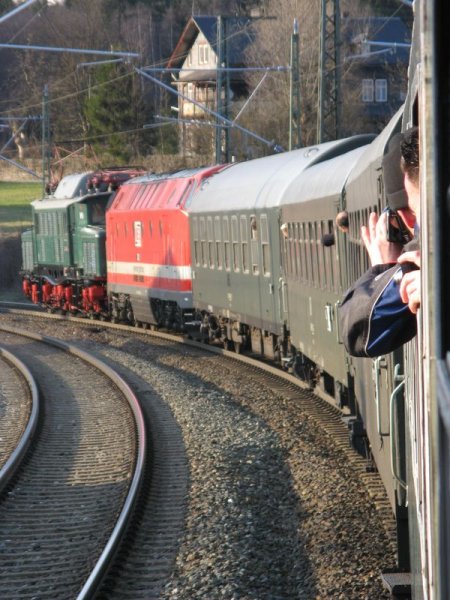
(410, 154)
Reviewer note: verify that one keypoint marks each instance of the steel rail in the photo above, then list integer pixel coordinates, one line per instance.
(11, 465)
(99, 571)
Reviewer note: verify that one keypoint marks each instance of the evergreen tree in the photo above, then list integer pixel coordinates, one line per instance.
(113, 112)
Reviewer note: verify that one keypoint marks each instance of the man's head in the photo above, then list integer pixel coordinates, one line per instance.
(410, 167)
(342, 221)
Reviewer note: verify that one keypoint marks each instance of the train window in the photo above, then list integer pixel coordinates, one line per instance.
(315, 256)
(218, 238)
(235, 241)
(291, 234)
(254, 245)
(309, 266)
(209, 226)
(244, 244)
(125, 229)
(265, 245)
(301, 244)
(137, 226)
(329, 256)
(203, 248)
(150, 228)
(196, 241)
(321, 280)
(226, 242)
(117, 229)
(297, 250)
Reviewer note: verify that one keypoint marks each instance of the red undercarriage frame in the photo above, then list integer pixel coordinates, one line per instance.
(63, 296)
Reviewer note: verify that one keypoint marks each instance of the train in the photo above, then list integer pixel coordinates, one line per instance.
(249, 255)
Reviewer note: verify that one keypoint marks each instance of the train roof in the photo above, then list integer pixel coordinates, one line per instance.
(373, 154)
(52, 203)
(168, 191)
(262, 183)
(181, 174)
(323, 179)
(73, 185)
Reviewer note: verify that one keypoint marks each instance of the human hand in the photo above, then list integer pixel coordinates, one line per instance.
(375, 240)
(410, 291)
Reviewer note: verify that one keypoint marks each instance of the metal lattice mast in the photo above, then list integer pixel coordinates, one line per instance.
(219, 88)
(294, 105)
(328, 114)
(46, 153)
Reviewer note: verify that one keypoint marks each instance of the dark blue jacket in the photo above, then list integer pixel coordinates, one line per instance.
(373, 318)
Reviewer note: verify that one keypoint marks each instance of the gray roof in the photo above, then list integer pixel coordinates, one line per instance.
(265, 182)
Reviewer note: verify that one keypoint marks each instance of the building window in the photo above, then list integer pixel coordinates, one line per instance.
(380, 90)
(203, 54)
(367, 90)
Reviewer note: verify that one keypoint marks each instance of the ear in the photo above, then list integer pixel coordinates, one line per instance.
(408, 216)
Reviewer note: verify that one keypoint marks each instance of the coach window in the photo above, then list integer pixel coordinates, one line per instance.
(203, 248)
(196, 241)
(235, 241)
(254, 245)
(126, 229)
(226, 242)
(150, 228)
(292, 244)
(291, 267)
(218, 238)
(244, 244)
(301, 244)
(265, 245)
(209, 226)
(309, 265)
(327, 228)
(298, 267)
(322, 279)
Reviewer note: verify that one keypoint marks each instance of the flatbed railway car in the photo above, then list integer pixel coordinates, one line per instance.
(148, 250)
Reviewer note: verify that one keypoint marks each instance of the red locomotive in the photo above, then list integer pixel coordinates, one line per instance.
(148, 250)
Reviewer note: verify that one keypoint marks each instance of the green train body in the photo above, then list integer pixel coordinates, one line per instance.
(64, 261)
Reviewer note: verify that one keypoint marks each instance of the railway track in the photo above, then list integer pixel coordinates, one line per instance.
(168, 569)
(19, 406)
(67, 498)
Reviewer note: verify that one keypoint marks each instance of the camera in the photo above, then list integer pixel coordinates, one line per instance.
(397, 231)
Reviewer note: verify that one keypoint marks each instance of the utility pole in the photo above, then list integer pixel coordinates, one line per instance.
(329, 104)
(222, 92)
(295, 140)
(45, 140)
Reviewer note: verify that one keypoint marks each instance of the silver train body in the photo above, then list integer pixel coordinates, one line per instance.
(264, 280)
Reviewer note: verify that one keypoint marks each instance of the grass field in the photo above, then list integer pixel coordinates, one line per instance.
(15, 198)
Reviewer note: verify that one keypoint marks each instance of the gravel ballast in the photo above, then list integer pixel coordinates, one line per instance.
(273, 511)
